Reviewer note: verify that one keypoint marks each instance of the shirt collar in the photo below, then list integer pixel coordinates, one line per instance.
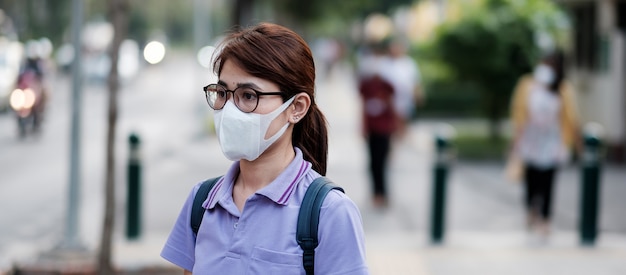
(223, 187)
(279, 190)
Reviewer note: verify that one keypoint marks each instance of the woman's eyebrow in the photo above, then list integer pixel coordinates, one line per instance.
(241, 84)
(248, 85)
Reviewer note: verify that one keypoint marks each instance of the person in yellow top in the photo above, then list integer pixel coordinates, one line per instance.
(546, 128)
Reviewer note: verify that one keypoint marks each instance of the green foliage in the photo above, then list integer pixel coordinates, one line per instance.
(174, 18)
(36, 19)
(319, 11)
(480, 48)
(446, 95)
(137, 26)
(451, 100)
(492, 46)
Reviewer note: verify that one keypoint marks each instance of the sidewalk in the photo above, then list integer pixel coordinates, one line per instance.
(484, 223)
(484, 217)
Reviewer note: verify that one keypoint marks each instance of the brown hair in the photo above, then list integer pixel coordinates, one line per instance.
(556, 60)
(278, 54)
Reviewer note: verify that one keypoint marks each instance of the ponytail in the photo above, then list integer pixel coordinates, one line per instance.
(288, 62)
(311, 136)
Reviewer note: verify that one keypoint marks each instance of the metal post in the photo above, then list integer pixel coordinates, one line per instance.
(133, 217)
(71, 238)
(590, 189)
(440, 177)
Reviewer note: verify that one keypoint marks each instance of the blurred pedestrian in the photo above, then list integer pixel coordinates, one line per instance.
(379, 117)
(328, 52)
(406, 80)
(268, 123)
(545, 124)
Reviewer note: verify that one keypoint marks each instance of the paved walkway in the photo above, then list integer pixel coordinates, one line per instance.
(484, 219)
(485, 230)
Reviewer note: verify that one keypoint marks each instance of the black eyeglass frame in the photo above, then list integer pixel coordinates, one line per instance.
(258, 94)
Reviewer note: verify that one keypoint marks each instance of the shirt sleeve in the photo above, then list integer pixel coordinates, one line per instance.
(341, 248)
(180, 246)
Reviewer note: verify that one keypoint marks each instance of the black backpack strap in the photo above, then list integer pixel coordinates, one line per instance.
(197, 212)
(308, 219)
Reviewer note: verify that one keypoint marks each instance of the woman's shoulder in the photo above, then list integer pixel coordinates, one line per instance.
(339, 201)
(335, 196)
(523, 84)
(526, 80)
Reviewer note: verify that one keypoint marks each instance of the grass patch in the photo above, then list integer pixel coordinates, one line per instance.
(480, 147)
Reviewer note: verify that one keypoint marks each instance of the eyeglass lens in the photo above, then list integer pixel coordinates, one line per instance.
(245, 98)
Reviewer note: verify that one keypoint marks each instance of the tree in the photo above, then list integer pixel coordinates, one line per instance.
(320, 10)
(492, 47)
(310, 13)
(118, 15)
(36, 19)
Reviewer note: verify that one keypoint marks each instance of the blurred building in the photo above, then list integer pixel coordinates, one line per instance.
(598, 67)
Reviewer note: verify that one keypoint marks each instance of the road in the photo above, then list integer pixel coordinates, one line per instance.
(163, 105)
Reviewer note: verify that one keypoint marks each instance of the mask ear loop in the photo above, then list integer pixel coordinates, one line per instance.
(273, 115)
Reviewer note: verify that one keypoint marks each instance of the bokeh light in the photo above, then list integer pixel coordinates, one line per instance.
(378, 27)
(154, 52)
(205, 56)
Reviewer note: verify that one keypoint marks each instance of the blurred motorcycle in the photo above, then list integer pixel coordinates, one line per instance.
(27, 101)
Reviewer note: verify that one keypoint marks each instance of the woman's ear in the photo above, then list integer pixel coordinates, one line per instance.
(301, 105)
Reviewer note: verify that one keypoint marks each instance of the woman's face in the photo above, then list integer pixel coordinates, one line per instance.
(233, 76)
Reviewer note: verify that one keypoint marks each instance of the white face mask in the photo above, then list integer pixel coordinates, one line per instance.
(544, 74)
(242, 135)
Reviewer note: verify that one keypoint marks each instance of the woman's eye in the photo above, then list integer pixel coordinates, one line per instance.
(248, 95)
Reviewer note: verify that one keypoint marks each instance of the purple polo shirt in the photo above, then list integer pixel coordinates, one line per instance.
(262, 238)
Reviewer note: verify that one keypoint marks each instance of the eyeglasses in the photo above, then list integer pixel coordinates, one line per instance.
(246, 98)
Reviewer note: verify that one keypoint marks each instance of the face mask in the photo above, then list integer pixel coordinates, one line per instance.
(544, 74)
(242, 135)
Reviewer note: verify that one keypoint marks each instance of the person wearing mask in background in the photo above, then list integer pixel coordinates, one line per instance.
(379, 117)
(545, 125)
(268, 123)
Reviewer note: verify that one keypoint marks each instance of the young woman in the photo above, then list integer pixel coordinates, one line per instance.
(546, 129)
(268, 123)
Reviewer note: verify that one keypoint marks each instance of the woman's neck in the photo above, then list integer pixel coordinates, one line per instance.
(254, 175)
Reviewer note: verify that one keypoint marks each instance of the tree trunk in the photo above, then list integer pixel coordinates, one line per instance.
(118, 15)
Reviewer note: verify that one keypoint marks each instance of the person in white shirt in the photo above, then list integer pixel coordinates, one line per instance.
(405, 77)
(545, 126)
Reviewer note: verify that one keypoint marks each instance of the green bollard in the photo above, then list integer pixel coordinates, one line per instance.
(440, 176)
(590, 190)
(133, 215)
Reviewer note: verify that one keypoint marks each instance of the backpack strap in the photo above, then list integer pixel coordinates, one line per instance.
(197, 211)
(308, 219)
